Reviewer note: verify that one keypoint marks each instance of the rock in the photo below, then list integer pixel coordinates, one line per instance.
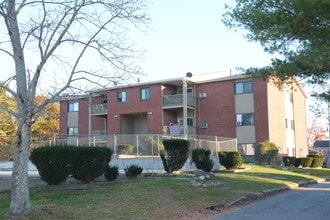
(201, 177)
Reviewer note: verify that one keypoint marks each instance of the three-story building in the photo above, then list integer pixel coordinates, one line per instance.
(249, 109)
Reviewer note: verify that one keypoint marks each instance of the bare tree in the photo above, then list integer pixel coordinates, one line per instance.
(50, 39)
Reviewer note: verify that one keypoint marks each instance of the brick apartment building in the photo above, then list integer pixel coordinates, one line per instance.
(251, 110)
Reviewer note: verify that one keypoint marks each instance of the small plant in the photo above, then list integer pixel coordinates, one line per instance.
(177, 154)
(265, 152)
(202, 160)
(133, 171)
(111, 173)
(230, 159)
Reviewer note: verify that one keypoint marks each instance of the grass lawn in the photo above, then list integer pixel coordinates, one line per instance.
(157, 197)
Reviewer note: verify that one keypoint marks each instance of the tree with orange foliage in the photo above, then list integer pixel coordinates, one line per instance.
(48, 122)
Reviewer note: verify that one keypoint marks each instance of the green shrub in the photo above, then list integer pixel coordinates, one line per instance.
(230, 159)
(133, 171)
(90, 162)
(297, 162)
(111, 173)
(202, 160)
(177, 154)
(306, 162)
(56, 163)
(265, 152)
(288, 161)
(52, 163)
(317, 160)
(126, 149)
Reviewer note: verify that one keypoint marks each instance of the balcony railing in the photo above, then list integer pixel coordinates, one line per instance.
(100, 109)
(177, 101)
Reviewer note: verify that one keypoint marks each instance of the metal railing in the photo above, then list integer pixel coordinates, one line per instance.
(143, 150)
(177, 101)
(99, 109)
(146, 145)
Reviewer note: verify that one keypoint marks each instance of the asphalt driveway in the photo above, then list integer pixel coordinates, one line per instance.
(310, 202)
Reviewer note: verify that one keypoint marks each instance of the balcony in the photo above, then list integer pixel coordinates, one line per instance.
(100, 109)
(172, 101)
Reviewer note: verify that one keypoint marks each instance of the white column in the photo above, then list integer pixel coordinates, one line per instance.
(185, 111)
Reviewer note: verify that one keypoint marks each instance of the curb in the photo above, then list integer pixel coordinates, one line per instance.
(262, 194)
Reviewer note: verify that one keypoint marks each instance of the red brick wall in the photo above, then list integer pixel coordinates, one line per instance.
(260, 110)
(135, 105)
(83, 116)
(217, 109)
(63, 117)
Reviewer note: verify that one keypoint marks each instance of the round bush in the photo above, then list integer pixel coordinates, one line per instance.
(111, 173)
(317, 160)
(230, 159)
(306, 162)
(202, 160)
(265, 152)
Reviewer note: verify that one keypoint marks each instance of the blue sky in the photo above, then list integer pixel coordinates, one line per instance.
(189, 36)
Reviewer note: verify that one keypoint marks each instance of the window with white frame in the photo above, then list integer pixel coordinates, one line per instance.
(73, 107)
(243, 87)
(244, 119)
(73, 131)
(145, 93)
(121, 96)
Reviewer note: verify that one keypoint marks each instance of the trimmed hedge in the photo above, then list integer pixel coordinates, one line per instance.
(297, 162)
(177, 154)
(230, 159)
(265, 152)
(53, 163)
(317, 160)
(306, 162)
(202, 160)
(90, 162)
(56, 163)
(288, 161)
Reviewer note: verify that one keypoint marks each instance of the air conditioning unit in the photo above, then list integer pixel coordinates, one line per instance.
(202, 95)
(204, 125)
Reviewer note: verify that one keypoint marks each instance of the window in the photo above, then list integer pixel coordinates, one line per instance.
(244, 119)
(73, 107)
(145, 93)
(190, 91)
(73, 131)
(121, 96)
(292, 124)
(190, 121)
(243, 87)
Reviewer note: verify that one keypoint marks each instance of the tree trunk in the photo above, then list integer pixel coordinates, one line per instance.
(20, 197)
